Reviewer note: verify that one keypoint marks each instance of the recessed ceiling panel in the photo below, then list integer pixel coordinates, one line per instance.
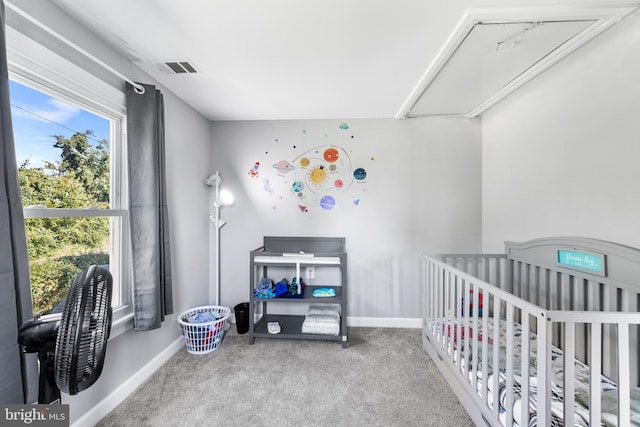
(492, 52)
(490, 57)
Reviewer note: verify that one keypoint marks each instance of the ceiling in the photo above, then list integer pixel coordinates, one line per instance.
(288, 59)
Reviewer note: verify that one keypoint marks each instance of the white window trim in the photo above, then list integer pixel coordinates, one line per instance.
(43, 212)
(36, 66)
(119, 247)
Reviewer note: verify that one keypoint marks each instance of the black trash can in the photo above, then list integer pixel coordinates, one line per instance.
(242, 317)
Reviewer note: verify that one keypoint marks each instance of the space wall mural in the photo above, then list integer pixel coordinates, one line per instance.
(321, 172)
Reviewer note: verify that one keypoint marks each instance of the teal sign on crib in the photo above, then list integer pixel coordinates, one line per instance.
(592, 262)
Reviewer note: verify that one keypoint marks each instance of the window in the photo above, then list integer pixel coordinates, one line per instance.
(70, 159)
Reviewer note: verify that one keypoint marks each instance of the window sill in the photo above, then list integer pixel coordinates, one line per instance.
(123, 322)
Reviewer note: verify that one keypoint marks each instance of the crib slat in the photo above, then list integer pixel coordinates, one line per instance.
(463, 328)
(450, 314)
(442, 306)
(546, 293)
(609, 303)
(581, 328)
(496, 355)
(436, 286)
(441, 292)
(428, 296)
(595, 405)
(569, 372)
(631, 303)
(624, 382)
(517, 279)
(425, 270)
(510, 363)
(433, 289)
(485, 353)
(458, 324)
(474, 339)
(536, 285)
(544, 368)
(487, 270)
(524, 392)
(439, 297)
(436, 289)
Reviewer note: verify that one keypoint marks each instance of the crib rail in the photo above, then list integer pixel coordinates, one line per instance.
(553, 288)
(490, 268)
(568, 291)
(473, 302)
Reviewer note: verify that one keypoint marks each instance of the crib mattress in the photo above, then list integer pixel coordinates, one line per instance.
(442, 327)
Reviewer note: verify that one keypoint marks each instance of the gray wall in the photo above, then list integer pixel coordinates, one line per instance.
(560, 156)
(421, 193)
(188, 163)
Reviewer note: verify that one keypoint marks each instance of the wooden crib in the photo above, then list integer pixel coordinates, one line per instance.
(545, 334)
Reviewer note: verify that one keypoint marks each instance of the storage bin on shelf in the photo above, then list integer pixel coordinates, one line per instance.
(203, 337)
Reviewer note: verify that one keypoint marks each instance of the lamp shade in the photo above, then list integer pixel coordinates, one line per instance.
(226, 198)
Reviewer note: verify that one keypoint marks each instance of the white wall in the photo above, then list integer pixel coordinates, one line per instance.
(560, 156)
(132, 356)
(421, 194)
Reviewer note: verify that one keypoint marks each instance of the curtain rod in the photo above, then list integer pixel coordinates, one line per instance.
(138, 87)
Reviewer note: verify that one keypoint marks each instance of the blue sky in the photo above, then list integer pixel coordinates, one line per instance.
(37, 116)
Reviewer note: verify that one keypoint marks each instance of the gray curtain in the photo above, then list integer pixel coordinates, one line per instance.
(18, 371)
(149, 221)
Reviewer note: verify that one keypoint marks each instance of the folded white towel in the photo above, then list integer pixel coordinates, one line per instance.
(321, 318)
(324, 309)
(321, 324)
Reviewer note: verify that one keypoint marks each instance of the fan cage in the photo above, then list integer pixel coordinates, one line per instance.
(84, 331)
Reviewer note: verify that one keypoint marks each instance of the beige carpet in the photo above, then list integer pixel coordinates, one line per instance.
(384, 378)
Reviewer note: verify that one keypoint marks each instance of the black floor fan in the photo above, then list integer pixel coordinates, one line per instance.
(71, 345)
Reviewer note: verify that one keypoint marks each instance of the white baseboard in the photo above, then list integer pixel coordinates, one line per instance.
(384, 322)
(117, 396)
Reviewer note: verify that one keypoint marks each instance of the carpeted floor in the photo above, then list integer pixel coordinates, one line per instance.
(383, 378)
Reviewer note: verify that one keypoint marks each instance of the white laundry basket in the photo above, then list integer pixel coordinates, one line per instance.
(201, 338)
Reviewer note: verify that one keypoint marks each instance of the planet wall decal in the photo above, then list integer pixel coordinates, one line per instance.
(359, 174)
(297, 186)
(331, 155)
(283, 167)
(327, 202)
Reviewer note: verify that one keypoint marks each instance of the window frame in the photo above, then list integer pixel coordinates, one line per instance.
(120, 247)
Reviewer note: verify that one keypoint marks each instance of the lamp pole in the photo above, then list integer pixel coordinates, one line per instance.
(218, 224)
(219, 201)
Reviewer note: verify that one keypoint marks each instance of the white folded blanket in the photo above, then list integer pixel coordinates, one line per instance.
(319, 324)
(324, 309)
(322, 319)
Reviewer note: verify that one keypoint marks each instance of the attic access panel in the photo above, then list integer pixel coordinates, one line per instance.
(492, 53)
(489, 58)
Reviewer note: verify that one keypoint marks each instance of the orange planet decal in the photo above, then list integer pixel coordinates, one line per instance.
(331, 155)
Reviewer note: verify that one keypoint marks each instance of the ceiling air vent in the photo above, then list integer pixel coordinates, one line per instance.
(176, 67)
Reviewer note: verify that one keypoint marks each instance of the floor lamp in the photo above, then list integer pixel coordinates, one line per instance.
(223, 198)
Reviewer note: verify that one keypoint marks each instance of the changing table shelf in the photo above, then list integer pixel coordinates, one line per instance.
(290, 328)
(308, 297)
(294, 254)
